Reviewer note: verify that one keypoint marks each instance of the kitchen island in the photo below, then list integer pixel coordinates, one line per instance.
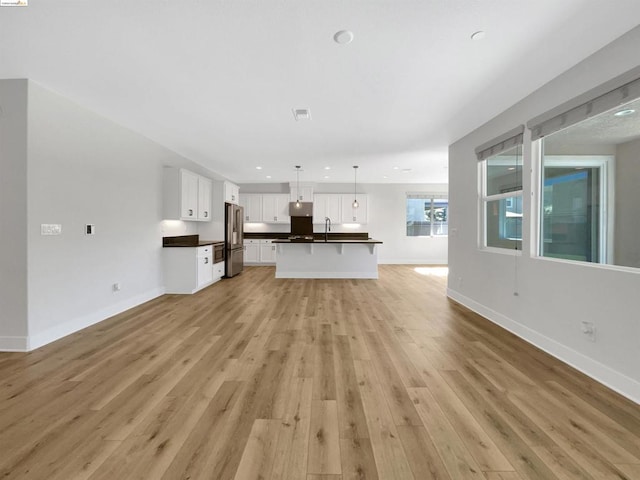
(327, 259)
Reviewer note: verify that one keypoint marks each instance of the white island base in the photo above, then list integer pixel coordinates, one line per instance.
(332, 259)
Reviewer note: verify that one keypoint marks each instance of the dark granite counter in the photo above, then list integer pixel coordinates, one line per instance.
(188, 241)
(333, 241)
(316, 236)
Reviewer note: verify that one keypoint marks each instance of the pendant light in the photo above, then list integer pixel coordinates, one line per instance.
(298, 186)
(355, 203)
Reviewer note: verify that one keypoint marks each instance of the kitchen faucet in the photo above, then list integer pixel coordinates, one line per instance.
(327, 228)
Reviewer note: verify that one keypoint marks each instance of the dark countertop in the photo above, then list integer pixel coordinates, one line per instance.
(316, 236)
(190, 241)
(315, 241)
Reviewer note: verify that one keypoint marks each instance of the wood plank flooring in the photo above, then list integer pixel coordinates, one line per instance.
(259, 378)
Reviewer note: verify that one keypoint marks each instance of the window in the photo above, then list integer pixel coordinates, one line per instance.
(575, 211)
(588, 193)
(427, 215)
(502, 199)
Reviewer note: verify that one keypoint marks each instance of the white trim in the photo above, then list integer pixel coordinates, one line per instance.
(603, 374)
(414, 261)
(57, 332)
(364, 275)
(606, 187)
(13, 344)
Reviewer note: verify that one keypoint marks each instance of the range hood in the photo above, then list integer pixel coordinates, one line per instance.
(304, 210)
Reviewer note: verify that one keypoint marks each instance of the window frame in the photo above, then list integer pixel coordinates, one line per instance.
(432, 197)
(484, 200)
(606, 209)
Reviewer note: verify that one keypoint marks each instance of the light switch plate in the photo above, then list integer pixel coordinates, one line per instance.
(50, 229)
(90, 229)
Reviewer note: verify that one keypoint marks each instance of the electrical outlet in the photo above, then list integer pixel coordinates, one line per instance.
(589, 330)
(89, 229)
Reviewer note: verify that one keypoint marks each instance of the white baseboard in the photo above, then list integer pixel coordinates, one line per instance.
(364, 275)
(413, 261)
(55, 333)
(13, 344)
(613, 379)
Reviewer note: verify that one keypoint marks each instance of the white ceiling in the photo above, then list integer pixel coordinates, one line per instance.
(216, 81)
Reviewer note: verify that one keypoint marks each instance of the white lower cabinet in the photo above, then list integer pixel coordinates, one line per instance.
(218, 271)
(188, 269)
(251, 251)
(259, 252)
(267, 251)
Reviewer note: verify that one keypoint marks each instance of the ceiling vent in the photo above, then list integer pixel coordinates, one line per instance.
(301, 114)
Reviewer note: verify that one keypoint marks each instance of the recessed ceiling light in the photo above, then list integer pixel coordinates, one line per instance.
(625, 113)
(343, 37)
(268, 176)
(479, 35)
(258, 168)
(327, 168)
(384, 176)
(326, 176)
(396, 168)
(301, 114)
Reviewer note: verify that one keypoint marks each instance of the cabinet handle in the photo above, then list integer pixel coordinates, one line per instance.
(206, 214)
(275, 218)
(247, 218)
(354, 219)
(190, 213)
(206, 260)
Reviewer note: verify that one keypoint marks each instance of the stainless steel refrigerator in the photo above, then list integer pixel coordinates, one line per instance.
(234, 238)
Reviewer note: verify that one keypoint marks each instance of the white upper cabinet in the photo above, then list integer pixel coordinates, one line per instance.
(355, 215)
(252, 205)
(187, 195)
(231, 193)
(204, 199)
(327, 205)
(305, 193)
(275, 208)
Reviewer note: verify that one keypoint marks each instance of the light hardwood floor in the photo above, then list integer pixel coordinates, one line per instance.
(258, 378)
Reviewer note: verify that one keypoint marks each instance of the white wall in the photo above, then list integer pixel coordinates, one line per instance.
(554, 297)
(82, 168)
(13, 214)
(627, 228)
(387, 220)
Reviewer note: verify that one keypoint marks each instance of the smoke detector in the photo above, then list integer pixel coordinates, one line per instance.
(343, 37)
(301, 114)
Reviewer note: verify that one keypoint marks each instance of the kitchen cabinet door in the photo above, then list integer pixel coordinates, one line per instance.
(186, 195)
(267, 251)
(231, 193)
(189, 195)
(305, 193)
(327, 205)
(251, 251)
(204, 199)
(355, 215)
(252, 204)
(205, 270)
(218, 271)
(275, 208)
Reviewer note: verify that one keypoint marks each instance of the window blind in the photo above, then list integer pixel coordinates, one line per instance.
(617, 92)
(504, 142)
